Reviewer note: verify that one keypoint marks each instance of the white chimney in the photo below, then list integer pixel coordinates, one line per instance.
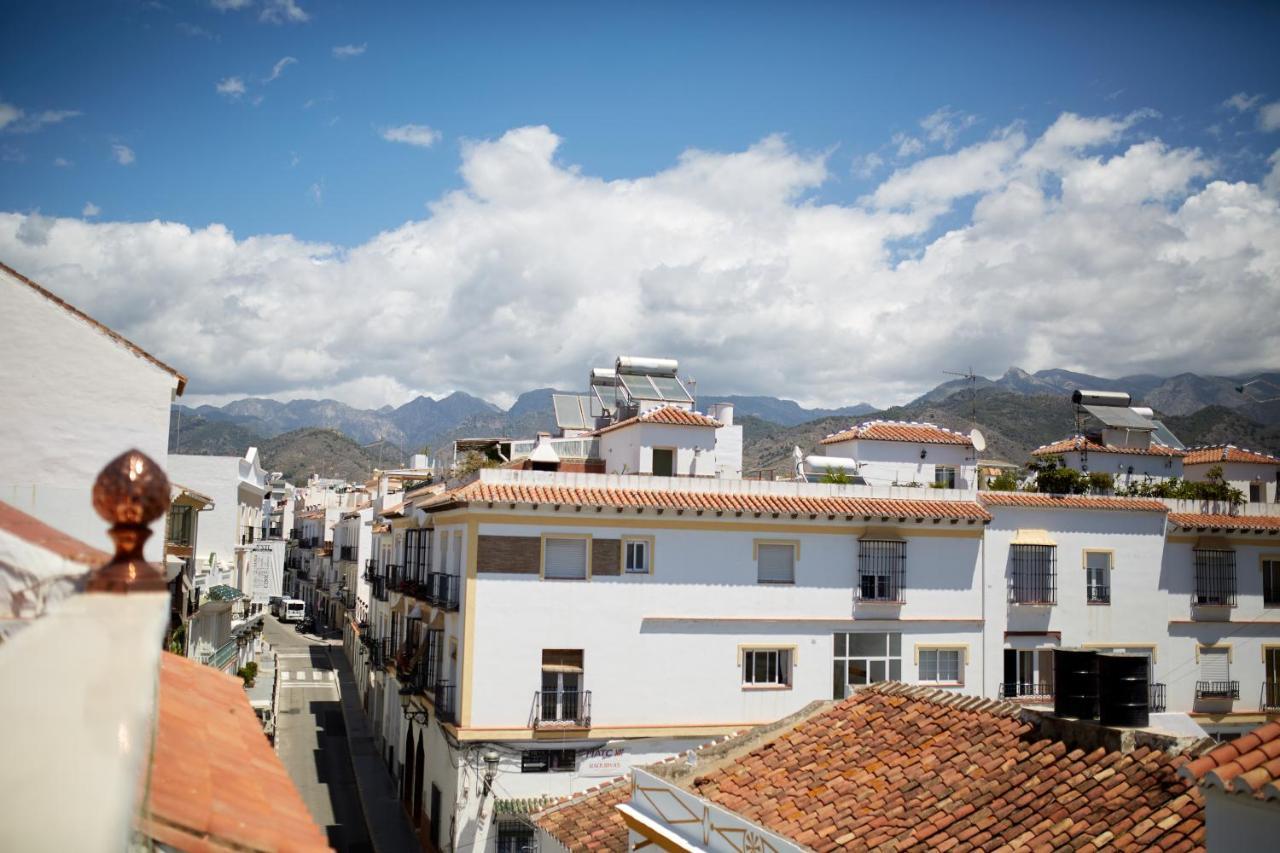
(723, 412)
(419, 462)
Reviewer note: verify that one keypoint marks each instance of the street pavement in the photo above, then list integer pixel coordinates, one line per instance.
(311, 736)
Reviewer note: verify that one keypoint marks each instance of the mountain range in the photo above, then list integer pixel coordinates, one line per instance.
(1017, 412)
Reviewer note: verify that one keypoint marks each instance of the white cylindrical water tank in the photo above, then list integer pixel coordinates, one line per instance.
(723, 412)
(1100, 398)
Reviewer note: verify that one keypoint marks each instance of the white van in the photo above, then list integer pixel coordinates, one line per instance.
(292, 610)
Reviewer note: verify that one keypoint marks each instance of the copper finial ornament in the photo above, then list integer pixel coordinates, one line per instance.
(131, 492)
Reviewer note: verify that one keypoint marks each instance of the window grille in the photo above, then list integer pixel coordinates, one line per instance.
(882, 570)
(1215, 578)
(1035, 574)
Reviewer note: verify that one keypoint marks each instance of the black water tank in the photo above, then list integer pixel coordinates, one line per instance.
(1075, 683)
(1122, 690)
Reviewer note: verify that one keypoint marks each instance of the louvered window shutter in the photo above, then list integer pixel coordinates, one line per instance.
(776, 563)
(1214, 665)
(565, 558)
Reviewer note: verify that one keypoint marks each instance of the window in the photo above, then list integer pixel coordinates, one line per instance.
(881, 569)
(1097, 567)
(865, 658)
(1027, 672)
(180, 522)
(766, 667)
(664, 462)
(1271, 582)
(1257, 494)
(548, 760)
(564, 559)
(1034, 575)
(415, 554)
(561, 696)
(944, 477)
(1215, 577)
(1215, 674)
(775, 562)
(515, 835)
(444, 552)
(635, 556)
(942, 666)
(1271, 677)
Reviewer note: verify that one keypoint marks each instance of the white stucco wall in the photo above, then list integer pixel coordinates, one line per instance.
(884, 463)
(74, 400)
(681, 626)
(1240, 475)
(237, 504)
(1118, 465)
(630, 450)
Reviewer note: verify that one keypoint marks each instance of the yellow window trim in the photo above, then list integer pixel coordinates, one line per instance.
(940, 647)
(1119, 645)
(622, 552)
(1268, 647)
(756, 543)
(743, 648)
(542, 554)
(1227, 646)
(1110, 552)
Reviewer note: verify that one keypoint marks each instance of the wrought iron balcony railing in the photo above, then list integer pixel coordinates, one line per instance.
(1098, 594)
(445, 700)
(441, 590)
(570, 708)
(1026, 690)
(1155, 697)
(378, 586)
(885, 585)
(1217, 690)
(1270, 700)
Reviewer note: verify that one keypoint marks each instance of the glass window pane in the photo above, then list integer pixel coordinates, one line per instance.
(837, 681)
(877, 670)
(867, 644)
(895, 669)
(895, 644)
(857, 672)
(839, 641)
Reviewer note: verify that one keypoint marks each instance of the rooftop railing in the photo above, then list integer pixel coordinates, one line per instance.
(1026, 690)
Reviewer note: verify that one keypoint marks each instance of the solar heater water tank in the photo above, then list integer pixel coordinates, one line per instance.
(640, 365)
(1100, 398)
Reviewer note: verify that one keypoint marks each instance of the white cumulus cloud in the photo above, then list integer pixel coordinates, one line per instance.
(279, 67)
(1269, 116)
(1241, 102)
(283, 11)
(231, 87)
(412, 134)
(16, 120)
(347, 51)
(945, 125)
(90, 210)
(123, 154)
(1086, 247)
(230, 5)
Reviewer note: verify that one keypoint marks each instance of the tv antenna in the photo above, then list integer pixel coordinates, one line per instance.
(1240, 389)
(972, 378)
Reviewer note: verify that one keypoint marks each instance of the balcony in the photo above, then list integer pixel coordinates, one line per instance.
(347, 553)
(1217, 690)
(392, 573)
(887, 586)
(1270, 700)
(1027, 690)
(1098, 594)
(445, 700)
(441, 590)
(562, 709)
(1155, 697)
(378, 586)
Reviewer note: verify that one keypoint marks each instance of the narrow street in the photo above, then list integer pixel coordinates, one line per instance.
(311, 736)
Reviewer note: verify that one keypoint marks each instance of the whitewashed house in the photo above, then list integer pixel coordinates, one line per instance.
(51, 354)
(1256, 475)
(227, 533)
(898, 453)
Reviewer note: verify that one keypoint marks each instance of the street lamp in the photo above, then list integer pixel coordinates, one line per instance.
(412, 712)
(490, 770)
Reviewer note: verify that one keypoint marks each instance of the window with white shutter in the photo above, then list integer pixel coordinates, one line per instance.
(1215, 675)
(564, 559)
(775, 563)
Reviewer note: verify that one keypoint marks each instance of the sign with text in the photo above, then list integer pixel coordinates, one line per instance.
(260, 585)
(604, 761)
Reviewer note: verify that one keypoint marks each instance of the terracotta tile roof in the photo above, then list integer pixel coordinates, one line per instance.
(216, 783)
(35, 531)
(1080, 442)
(109, 332)
(667, 415)
(590, 821)
(1193, 520)
(1036, 500)
(896, 766)
(918, 433)
(1217, 453)
(479, 491)
(1248, 765)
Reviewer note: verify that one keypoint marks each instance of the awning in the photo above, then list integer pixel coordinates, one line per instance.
(1032, 536)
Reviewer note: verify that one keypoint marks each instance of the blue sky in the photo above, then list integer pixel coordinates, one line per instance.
(627, 86)
(827, 202)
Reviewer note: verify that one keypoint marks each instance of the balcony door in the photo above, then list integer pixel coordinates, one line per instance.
(561, 685)
(1028, 672)
(1271, 678)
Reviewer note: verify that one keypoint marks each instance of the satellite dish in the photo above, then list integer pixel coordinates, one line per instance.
(978, 439)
